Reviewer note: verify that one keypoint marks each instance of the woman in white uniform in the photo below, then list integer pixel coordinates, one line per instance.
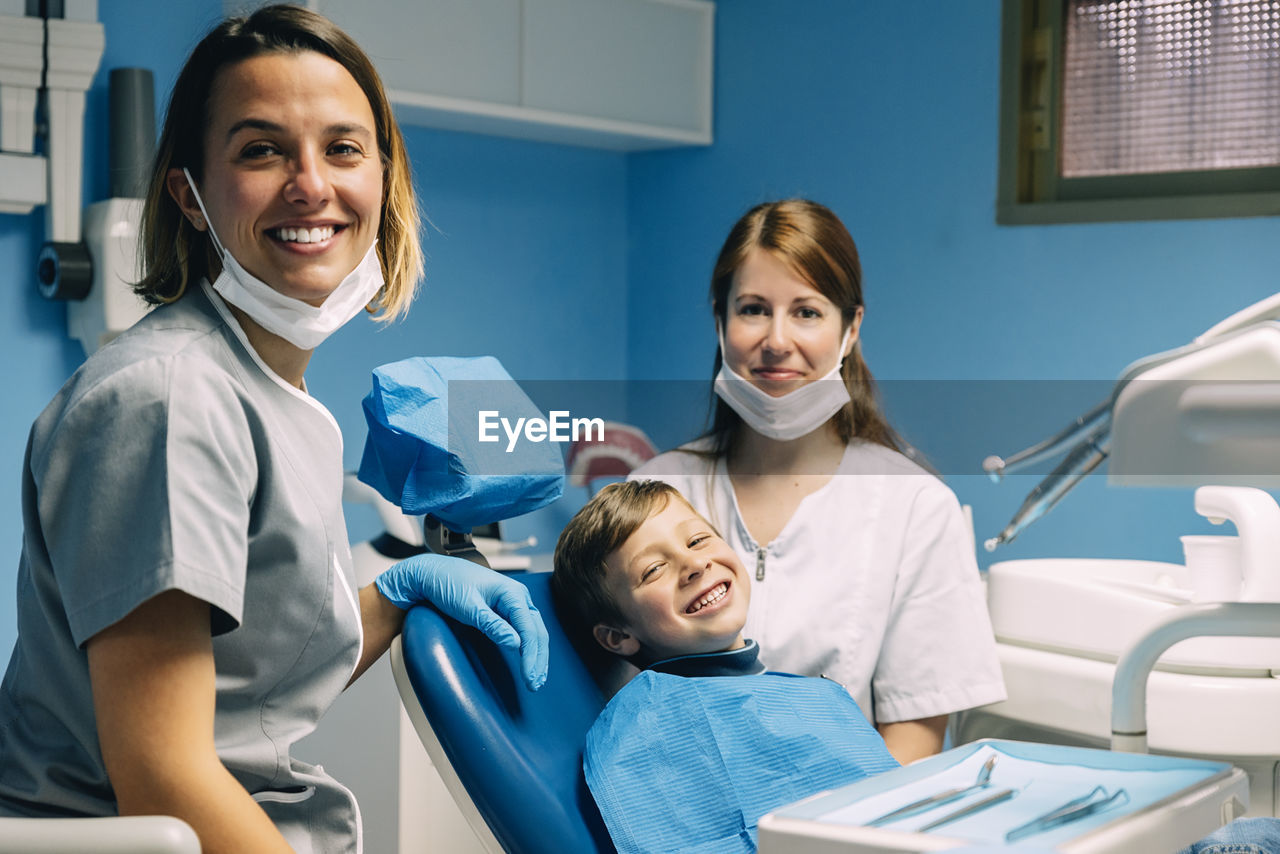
(864, 570)
(186, 610)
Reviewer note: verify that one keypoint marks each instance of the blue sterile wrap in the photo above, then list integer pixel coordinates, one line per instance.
(691, 764)
(423, 451)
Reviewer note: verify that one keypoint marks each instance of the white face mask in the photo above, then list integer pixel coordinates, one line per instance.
(796, 413)
(301, 324)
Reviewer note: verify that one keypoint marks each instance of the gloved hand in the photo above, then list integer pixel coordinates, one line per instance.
(479, 597)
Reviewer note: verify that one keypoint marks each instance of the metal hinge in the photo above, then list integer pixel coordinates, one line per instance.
(1038, 54)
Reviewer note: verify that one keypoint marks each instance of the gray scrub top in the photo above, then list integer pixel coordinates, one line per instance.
(175, 459)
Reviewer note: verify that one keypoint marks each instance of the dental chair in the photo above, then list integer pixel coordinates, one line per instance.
(150, 834)
(512, 759)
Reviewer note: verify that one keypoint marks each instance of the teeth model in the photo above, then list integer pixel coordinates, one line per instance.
(622, 448)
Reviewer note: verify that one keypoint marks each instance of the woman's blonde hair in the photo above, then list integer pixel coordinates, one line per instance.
(816, 247)
(174, 253)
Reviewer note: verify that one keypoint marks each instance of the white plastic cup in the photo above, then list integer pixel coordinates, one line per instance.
(1214, 565)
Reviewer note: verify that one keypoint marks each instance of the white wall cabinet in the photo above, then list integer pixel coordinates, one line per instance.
(617, 74)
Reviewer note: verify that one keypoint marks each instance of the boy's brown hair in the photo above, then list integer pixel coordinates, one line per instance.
(604, 523)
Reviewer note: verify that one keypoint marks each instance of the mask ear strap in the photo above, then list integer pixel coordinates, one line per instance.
(844, 342)
(222, 253)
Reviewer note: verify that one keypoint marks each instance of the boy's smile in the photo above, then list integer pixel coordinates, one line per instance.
(681, 589)
(712, 599)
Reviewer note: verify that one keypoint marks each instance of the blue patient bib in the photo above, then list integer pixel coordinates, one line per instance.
(691, 764)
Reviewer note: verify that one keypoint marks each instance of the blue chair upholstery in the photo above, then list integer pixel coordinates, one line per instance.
(518, 754)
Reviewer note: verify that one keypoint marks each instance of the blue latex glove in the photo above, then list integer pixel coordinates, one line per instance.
(479, 597)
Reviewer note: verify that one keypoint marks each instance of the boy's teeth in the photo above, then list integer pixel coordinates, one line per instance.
(716, 594)
(305, 235)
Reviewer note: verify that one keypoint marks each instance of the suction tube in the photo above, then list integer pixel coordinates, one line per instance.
(1083, 459)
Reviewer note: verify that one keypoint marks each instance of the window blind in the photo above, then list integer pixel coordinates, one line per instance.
(1169, 86)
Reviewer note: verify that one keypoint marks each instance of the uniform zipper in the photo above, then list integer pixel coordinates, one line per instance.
(759, 564)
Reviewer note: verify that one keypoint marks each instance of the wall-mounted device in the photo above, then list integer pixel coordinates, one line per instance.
(105, 305)
(47, 63)
(48, 59)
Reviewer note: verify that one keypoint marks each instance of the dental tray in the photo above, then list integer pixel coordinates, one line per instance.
(1169, 802)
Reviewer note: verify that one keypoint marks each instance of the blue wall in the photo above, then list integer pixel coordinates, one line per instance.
(569, 263)
(887, 113)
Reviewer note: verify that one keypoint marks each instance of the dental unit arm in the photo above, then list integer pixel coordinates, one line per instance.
(1219, 404)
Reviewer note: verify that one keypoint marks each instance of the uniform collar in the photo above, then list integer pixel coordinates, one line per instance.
(744, 661)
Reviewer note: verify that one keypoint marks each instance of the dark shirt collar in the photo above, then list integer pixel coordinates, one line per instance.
(733, 662)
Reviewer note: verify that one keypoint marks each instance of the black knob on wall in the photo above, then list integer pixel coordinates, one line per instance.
(64, 271)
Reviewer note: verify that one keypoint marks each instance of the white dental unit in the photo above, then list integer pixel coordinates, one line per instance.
(1205, 415)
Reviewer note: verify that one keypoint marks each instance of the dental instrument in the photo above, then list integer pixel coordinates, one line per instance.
(1171, 802)
(1192, 396)
(1073, 810)
(1078, 464)
(943, 797)
(997, 467)
(975, 807)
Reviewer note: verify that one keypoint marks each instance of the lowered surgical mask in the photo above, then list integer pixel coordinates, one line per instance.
(301, 324)
(792, 415)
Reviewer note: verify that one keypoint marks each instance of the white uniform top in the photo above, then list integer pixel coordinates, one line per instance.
(872, 582)
(174, 459)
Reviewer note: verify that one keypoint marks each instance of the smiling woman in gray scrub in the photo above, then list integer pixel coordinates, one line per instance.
(186, 610)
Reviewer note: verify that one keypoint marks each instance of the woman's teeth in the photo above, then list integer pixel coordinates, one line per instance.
(714, 595)
(304, 235)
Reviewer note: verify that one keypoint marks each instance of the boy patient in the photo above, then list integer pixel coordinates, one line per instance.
(682, 758)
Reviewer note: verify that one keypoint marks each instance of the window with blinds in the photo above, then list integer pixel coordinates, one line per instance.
(1139, 109)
